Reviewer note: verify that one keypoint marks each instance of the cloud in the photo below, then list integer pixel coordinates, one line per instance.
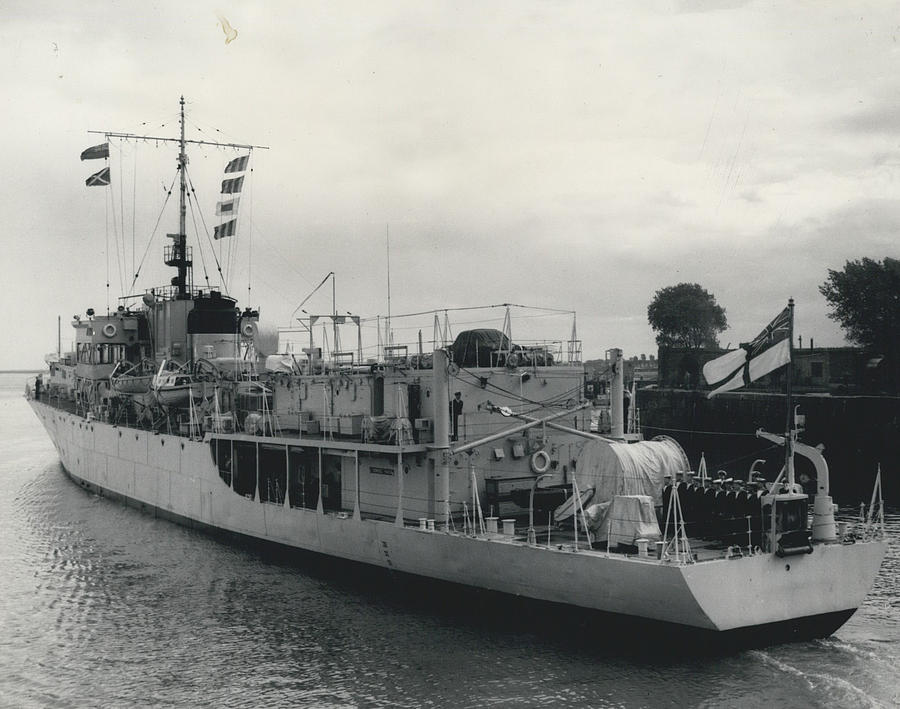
(881, 118)
(563, 154)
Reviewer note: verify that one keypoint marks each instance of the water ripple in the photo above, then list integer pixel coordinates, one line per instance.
(107, 606)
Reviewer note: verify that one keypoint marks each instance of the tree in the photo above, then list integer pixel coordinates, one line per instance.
(865, 299)
(686, 315)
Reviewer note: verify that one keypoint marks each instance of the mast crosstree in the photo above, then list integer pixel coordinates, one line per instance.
(179, 255)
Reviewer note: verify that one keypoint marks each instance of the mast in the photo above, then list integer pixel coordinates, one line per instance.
(181, 260)
(178, 255)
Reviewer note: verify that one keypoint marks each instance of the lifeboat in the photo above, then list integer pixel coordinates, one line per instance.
(129, 378)
(173, 385)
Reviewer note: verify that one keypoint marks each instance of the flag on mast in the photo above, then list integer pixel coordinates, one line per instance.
(98, 179)
(232, 186)
(95, 152)
(226, 229)
(770, 350)
(227, 207)
(239, 164)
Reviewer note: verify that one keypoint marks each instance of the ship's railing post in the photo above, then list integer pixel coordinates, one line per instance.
(477, 513)
(320, 508)
(356, 511)
(532, 536)
(398, 520)
(257, 498)
(287, 477)
(875, 520)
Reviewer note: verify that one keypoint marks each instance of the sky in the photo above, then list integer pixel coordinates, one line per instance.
(576, 156)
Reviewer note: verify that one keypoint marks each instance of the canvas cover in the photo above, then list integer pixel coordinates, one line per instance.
(265, 338)
(623, 519)
(472, 348)
(386, 429)
(279, 363)
(613, 468)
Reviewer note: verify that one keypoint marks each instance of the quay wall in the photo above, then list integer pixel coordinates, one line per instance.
(858, 433)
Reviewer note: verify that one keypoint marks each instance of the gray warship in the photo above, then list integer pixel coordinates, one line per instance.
(471, 462)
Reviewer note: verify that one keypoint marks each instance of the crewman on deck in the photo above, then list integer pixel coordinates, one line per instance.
(456, 407)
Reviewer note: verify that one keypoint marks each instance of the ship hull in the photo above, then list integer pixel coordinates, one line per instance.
(761, 597)
(512, 610)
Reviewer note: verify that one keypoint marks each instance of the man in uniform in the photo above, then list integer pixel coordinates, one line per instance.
(456, 407)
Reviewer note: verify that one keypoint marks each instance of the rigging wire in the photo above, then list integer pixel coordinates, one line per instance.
(122, 217)
(119, 267)
(709, 433)
(121, 258)
(283, 259)
(231, 255)
(209, 129)
(153, 233)
(233, 249)
(106, 249)
(250, 233)
(481, 321)
(314, 291)
(193, 193)
(269, 269)
(191, 205)
(133, 209)
(558, 400)
(747, 456)
(483, 307)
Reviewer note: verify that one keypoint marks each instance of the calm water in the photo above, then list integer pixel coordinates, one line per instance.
(102, 605)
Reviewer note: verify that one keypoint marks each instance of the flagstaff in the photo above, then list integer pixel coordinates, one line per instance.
(789, 427)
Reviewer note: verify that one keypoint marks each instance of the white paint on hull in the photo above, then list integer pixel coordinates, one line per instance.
(177, 475)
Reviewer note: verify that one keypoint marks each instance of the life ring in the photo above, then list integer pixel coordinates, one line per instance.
(540, 461)
(512, 360)
(247, 329)
(109, 329)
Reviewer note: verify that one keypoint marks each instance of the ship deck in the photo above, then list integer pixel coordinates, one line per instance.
(551, 538)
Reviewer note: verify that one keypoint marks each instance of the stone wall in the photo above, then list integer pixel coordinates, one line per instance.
(858, 432)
